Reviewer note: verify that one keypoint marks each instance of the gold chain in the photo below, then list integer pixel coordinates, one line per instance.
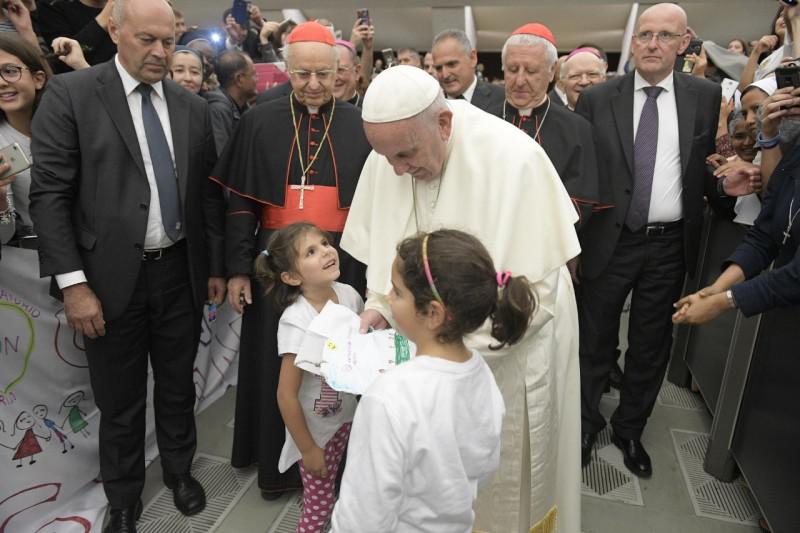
(303, 169)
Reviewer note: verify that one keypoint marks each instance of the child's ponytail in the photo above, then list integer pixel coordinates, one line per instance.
(516, 303)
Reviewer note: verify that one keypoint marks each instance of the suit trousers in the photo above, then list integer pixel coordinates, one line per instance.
(161, 320)
(653, 267)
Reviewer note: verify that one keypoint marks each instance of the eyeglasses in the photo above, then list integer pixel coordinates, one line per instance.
(592, 76)
(305, 75)
(11, 73)
(664, 37)
(344, 70)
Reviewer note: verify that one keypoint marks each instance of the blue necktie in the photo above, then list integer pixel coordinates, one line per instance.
(163, 166)
(645, 147)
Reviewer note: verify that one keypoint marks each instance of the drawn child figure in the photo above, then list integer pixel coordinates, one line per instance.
(299, 269)
(75, 416)
(28, 446)
(40, 412)
(427, 434)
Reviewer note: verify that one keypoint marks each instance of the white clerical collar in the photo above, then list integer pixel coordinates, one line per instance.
(312, 110)
(129, 83)
(668, 83)
(525, 112)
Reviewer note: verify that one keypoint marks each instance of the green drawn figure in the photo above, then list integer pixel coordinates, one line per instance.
(75, 416)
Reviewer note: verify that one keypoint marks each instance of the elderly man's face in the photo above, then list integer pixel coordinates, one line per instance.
(454, 67)
(656, 59)
(407, 57)
(346, 75)
(145, 40)
(582, 71)
(415, 146)
(312, 72)
(527, 75)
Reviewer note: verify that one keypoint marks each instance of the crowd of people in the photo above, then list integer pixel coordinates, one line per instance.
(499, 226)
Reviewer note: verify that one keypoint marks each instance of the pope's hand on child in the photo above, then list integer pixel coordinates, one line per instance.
(314, 462)
(371, 318)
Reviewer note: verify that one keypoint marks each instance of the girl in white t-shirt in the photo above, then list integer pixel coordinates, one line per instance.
(299, 268)
(426, 434)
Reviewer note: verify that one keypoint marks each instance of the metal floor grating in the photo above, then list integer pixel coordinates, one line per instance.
(224, 486)
(290, 515)
(730, 502)
(674, 396)
(607, 477)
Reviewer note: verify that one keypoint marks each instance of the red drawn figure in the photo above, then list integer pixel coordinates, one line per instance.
(29, 445)
(40, 412)
(74, 415)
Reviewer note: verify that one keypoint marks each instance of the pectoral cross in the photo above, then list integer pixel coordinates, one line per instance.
(303, 188)
(786, 235)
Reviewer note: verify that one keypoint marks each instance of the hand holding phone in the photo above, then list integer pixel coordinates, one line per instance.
(16, 158)
(362, 15)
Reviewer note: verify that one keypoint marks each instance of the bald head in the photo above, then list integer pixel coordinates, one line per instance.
(153, 8)
(665, 11)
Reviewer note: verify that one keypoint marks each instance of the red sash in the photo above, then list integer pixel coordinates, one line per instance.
(320, 207)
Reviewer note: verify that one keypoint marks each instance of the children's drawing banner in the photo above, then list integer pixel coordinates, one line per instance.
(48, 421)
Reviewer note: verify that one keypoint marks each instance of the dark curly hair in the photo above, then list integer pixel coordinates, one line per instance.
(466, 280)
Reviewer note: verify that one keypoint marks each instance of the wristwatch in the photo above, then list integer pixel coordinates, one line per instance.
(731, 300)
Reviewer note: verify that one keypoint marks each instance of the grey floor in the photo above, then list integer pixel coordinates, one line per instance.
(667, 504)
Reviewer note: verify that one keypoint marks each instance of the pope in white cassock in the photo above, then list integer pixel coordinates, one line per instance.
(440, 163)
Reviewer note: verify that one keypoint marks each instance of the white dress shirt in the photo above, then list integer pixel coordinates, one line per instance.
(469, 91)
(155, 236)
(666, 196)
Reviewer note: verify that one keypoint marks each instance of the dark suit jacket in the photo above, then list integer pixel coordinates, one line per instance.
(489, 97)
(90, 196)
(609, 107)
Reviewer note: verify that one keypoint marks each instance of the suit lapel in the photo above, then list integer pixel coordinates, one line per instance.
(686, 102)
(112, 94)
(622, 105)
(179, 123)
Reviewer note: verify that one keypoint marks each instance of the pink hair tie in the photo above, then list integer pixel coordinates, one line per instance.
(502, 278)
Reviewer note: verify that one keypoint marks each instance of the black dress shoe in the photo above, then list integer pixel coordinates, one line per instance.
(271, 496)
(587, 443)
(615, 375)
(123, 520)
(187, 493)
(636, 458)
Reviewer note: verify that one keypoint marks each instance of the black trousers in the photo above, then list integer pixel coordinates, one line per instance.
(653, 267)
(161, 320)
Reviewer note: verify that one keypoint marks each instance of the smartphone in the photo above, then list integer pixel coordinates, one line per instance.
(240, 12)
(729, 87)
(14, 155)
(362, 15)
(389, 59)
(788, 75)
(687, 65)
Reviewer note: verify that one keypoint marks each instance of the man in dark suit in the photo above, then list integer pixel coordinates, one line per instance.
(653, 129)
(454, 61)
(131, 229)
